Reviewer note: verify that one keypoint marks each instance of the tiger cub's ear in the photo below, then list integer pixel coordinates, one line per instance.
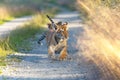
(66, 23)
(65, 26)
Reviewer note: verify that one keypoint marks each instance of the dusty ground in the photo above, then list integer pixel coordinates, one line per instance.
(35, 65)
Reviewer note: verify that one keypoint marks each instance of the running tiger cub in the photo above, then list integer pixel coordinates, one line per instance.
(56, 40)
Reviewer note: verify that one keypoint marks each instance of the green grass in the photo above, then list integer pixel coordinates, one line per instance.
(6, 20)
(2, 61)
(18, 38)
(1, 22)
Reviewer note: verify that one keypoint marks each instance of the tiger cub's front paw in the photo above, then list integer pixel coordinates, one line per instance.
(63, 57)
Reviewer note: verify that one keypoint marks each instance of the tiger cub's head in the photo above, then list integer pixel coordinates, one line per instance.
(63, 28)
(60, 27)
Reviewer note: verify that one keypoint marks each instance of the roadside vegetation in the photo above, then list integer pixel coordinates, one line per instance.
(103, 31)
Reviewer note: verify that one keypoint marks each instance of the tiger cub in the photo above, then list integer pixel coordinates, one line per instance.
(56, 40)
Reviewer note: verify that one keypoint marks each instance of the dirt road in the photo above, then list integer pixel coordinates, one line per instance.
(35, 65)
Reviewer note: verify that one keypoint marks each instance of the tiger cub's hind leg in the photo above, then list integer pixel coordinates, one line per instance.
(63, 54)
(51, 52)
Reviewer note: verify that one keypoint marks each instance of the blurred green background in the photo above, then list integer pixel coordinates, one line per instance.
(17, 8)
